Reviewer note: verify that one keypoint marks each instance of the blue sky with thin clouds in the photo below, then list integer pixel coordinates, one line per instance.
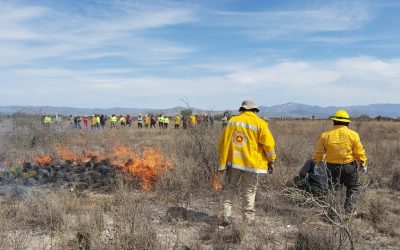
(214, 54)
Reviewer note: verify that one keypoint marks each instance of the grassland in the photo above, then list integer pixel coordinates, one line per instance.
(182, 210)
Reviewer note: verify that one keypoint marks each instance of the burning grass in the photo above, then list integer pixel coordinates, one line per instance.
(146, 167)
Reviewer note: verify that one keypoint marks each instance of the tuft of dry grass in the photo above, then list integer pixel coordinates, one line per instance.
(315, 238)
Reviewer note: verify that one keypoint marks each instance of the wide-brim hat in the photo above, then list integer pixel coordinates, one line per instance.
(249, 105)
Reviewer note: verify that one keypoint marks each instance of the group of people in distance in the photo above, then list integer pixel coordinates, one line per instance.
(101, 121)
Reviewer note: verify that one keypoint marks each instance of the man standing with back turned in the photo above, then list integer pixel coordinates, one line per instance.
(246, 149)
(340, 147)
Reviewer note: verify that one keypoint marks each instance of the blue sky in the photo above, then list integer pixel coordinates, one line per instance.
(213, 54)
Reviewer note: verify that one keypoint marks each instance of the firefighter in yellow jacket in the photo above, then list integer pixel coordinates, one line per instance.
(177, 121)
(246, 149)
(341, 149)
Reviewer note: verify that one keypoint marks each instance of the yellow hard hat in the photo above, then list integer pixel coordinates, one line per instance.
(341, 116)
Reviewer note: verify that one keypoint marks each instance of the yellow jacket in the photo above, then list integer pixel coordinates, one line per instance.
(113, 119)
(177, 119)
(93, 120)
(246, 144)
(146, 120)
(193, 119)
(340, 145)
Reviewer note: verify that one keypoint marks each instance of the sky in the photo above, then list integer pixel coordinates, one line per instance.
(203, 53)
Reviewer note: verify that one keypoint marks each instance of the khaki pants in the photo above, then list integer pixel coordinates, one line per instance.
(249, 188)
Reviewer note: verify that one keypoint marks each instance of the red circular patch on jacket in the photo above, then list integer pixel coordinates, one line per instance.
(239, 138)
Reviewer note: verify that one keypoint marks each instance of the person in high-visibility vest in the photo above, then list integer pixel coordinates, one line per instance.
(122, 121)
(192, 120)
(93, 121)
(177, 121)
(113, 120)
(47, 120)
(146, 121)
(166, 122)
(246, 149)
(160, 121)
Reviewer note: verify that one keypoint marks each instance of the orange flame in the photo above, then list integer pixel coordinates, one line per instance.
(46, 159)
(146, 167)
(67, 155)
(216, 183)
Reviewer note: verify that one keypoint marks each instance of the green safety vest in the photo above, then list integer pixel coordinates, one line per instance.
(47, 119)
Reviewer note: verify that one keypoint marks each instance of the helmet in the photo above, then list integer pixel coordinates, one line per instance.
(341, 116)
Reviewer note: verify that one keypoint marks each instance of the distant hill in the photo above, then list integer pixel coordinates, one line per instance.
(8, 110)
(301, 110)
(283, 110)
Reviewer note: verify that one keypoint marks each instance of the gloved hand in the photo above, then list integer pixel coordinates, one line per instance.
(364, 169)
(271, 167)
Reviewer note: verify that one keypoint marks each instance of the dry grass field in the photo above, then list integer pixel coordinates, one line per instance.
(175, 206)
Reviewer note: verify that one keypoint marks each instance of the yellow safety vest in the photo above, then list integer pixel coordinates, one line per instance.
(47, 119)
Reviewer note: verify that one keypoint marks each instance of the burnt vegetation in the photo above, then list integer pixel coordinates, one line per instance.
(152, 189)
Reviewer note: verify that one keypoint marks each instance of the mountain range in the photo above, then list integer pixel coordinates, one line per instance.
(283, 110)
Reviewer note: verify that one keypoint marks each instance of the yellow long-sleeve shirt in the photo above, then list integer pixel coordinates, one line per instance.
(340, 145)
(177, 120)
(246, 144)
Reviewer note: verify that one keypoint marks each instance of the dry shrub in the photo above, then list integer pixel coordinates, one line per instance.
(383, 219)
(89, 229)
(377, 212)
(223, 238)
(315, 238)
(42, 210)
(16, 240)
(25, 137)
(195, 159)
(133, 226)
(395, 185)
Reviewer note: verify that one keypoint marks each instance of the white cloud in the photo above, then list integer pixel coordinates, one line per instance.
(32, 32)
(359, 80)
(285, 74)
(14, 21)
(371, 68)
(275, 24)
